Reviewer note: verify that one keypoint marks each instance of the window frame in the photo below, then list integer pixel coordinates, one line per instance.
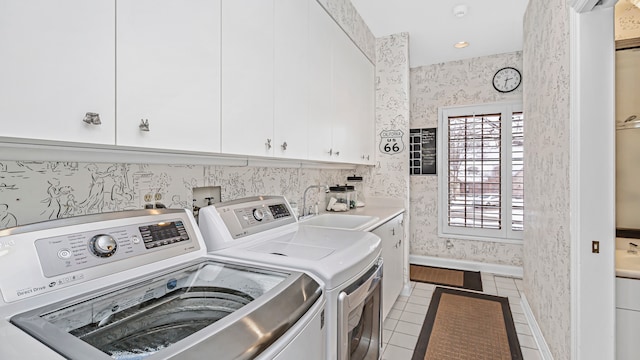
(506, 233)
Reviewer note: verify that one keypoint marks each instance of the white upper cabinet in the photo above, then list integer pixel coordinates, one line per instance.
(247, 77)
(352, 99)
(364, 98)
(168, 74)
(266, 78)
(322, 30)
(57, 64)
(291, 74)
(341, 124)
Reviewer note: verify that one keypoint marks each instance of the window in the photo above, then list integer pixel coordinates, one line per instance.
(482, 183)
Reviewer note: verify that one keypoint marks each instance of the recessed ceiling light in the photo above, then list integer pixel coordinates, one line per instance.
(460, 10)
(461, 44)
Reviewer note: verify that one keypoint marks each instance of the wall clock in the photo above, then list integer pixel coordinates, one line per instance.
(507, 79)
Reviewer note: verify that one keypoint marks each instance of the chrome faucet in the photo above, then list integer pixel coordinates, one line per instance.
(304, 198)
(633, 248)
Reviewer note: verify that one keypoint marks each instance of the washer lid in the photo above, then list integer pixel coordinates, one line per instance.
(188, 312)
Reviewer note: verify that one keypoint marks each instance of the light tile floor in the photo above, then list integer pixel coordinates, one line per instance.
(402, 325)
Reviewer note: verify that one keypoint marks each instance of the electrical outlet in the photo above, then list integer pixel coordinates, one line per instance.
(449, 244)
(206, 195)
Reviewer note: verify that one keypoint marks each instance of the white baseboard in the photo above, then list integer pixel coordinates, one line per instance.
(505, 270)
(545, 352)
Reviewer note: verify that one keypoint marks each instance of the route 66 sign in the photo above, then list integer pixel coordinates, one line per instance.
(391, 142)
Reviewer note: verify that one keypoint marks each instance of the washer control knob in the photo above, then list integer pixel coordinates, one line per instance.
(103, 245)
(258, 214)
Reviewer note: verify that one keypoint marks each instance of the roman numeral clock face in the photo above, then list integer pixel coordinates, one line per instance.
(507, 79)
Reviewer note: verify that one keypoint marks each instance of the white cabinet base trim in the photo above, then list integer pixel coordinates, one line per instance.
(545, 352)
(506, 270)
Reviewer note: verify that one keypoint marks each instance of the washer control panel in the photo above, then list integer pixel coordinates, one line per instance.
(72, 252)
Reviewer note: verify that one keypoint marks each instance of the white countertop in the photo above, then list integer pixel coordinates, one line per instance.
(383, 209)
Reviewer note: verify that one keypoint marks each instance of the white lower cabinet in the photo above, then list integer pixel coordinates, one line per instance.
(392, 235)
(627, 318)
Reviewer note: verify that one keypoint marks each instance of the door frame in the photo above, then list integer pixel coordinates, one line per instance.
(592, 174)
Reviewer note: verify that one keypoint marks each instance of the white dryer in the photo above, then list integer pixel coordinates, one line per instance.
(264, 230)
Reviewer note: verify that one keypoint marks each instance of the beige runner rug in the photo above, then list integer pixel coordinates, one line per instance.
(449, 277)
(462, 325)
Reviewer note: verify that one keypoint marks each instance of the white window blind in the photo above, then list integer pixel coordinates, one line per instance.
(482, 190)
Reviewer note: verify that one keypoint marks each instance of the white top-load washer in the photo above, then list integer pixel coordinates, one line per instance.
(140, 284)
(264, 230)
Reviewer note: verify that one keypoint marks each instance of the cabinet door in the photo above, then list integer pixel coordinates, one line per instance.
(57, 64)
(321, 32)
(342, 87)
(247, 77)
(364, 98)
(168, 74)
(291, 74)
(353, 102)
(391, 234)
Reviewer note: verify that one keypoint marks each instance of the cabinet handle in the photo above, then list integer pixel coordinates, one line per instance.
(365, 157)
(393, 231)
(330, 152)
(284, 146)
(144, 125)
(337, 153)
(92, 118)
(268, 144)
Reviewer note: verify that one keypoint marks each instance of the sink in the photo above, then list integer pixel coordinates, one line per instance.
(340, 221)
(627, 265)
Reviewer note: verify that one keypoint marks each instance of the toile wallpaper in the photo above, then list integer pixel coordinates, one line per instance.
(348, 17)
(463, 82)
(390, 175)
(547, 268)
(32, 191)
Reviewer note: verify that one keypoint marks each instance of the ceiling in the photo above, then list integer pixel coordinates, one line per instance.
(489, 26)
